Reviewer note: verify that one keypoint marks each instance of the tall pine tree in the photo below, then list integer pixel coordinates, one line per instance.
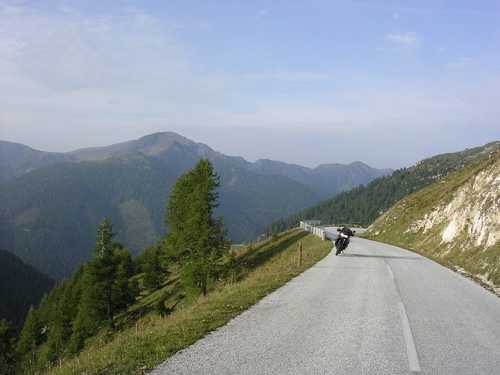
(30, 337)
(154, 273)
(122, 294)
(52, 319)
(104, 287)
(196, 238)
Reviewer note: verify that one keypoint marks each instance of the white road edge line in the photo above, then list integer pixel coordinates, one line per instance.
(391, 274)
(411, 351)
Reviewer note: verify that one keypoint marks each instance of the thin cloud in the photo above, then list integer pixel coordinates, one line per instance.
(69, 73)
(408, 39)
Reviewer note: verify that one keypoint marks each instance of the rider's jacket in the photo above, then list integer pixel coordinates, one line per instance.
(347, 231)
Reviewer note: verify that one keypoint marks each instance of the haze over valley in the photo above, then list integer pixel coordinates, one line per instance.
(52, 199)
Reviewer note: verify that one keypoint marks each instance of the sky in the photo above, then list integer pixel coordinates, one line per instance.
(307, 82)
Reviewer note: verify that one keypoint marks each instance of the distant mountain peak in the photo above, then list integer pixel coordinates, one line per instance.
(163, 137)
(151, 145)
(358, 163)
(355, 164)
(157, 143)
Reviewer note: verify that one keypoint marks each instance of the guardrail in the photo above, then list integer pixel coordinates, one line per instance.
(310, 227)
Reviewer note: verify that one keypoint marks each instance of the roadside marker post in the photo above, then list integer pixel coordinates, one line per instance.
(300, 253)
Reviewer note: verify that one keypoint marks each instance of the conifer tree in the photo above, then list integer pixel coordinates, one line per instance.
(30, 335)
(60, 317)
(122, 292)
(55, 339)
(104, 287)
(90, 313)
(153, 271)
(72, 296)
(196, 238)
(7, 348)
(95, 306)
(177, 217)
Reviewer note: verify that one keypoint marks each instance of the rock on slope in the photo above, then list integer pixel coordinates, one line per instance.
(455, 220)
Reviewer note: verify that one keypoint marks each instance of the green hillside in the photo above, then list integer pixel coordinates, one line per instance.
(455, 221)
(363, 204)
(120, 314)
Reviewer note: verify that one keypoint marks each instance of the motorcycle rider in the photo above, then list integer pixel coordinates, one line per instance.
(347, 232)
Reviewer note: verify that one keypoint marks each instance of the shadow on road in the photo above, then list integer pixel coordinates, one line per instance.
(381, 256)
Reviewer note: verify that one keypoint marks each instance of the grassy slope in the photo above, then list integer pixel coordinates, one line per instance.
(137, 348)
(392, 227)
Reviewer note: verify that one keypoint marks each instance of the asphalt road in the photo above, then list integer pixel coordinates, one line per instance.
(376, 309)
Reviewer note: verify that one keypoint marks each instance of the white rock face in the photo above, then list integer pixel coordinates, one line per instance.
(474, 211)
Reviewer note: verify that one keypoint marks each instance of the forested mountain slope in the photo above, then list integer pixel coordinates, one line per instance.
(21, 285)
(364, 204)
(48, 215)
(455, 220)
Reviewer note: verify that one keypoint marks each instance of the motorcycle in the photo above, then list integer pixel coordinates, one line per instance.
(342, 241)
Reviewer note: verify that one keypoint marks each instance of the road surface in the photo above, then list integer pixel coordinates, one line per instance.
(377, 309)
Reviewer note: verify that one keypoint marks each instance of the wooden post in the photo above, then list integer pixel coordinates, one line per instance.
(300, 253)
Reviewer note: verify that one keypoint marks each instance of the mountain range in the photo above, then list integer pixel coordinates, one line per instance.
(52, 202)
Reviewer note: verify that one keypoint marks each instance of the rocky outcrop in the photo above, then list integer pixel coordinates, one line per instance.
(455, 221)
(474, 211)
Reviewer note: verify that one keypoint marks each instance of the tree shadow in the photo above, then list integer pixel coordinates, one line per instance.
(260, 256)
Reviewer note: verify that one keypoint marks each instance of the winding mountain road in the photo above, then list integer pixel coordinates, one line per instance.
(376, 309)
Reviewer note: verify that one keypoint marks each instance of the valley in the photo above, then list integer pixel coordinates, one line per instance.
(51, 209)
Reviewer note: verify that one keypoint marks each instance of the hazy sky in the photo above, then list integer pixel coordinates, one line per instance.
(385, 82)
